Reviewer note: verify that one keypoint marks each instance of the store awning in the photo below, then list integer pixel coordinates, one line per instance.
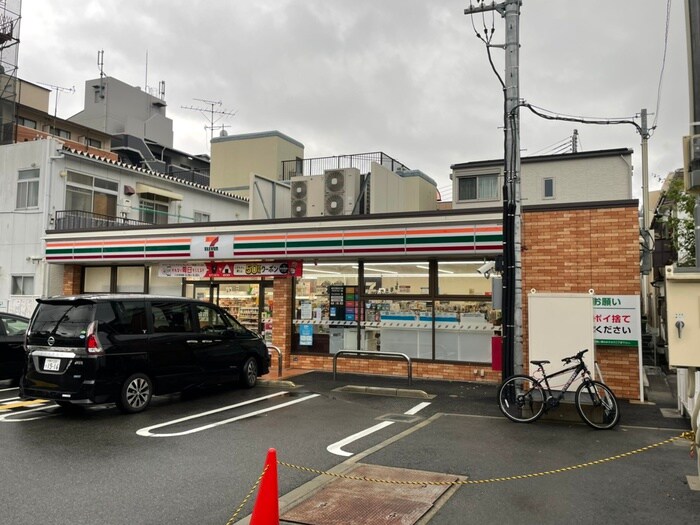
(145, 188)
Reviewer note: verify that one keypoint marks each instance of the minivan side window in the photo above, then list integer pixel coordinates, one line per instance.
(210, 320)
(123, 318)
(171, 316)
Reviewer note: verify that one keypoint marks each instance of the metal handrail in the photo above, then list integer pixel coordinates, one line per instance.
(279, 358)
(375, 354)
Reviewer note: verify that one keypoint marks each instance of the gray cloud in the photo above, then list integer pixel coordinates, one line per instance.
(406, 77)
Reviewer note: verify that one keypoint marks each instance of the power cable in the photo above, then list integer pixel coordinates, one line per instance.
(663, 67)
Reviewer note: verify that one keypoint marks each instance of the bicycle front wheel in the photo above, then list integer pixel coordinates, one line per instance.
(597, 405)
(521, 399)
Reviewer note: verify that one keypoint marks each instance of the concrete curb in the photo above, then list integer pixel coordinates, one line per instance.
(382, 391)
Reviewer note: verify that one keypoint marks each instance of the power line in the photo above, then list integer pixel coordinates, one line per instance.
(663, 65)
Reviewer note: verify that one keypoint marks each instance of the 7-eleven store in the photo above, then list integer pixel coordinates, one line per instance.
(396, 283)
(403, 283)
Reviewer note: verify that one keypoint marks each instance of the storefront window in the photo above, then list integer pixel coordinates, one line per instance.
(463, 331)
(163, 285)
(327, 308)
(462, 278)
(398, 326)
(130, 279)
(397, 278)
(97, 279)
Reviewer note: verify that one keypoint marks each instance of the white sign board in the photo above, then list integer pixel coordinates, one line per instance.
(560, 325)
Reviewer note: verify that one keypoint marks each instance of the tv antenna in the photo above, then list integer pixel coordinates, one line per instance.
(58, 90)
(211, 114)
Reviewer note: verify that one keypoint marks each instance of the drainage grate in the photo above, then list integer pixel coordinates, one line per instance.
(355, 502)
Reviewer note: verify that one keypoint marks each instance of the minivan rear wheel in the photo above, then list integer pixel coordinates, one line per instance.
(249, 375)
(135, 394)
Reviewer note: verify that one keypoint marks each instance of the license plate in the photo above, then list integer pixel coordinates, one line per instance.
(52, 365)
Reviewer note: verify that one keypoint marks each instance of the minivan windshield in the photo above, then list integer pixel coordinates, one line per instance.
(64, 320)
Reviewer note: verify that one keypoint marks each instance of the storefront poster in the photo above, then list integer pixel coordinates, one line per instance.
(254, 269)
(182, 270)
(616, 320)
(306, 335)
(306, 310)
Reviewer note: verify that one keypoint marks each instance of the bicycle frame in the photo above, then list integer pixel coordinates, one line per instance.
(579, 369)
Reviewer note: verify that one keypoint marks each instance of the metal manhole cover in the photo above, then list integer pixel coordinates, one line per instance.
(357, 502)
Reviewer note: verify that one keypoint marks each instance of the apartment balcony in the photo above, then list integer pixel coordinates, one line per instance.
(85, 220)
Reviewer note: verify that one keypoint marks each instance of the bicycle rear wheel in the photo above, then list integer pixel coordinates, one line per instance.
(597, 405)
(521, 399)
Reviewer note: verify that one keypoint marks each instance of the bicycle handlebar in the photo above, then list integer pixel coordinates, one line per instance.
(578, 357)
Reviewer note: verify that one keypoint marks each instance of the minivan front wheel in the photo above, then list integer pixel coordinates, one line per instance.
(249, 376)
(135, 394)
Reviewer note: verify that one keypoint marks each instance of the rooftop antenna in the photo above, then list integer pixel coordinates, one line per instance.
(100, 64)
(209, 113)
(58, 90)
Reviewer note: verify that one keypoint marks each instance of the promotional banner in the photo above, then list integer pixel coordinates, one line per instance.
(232, 269)
(254, 269)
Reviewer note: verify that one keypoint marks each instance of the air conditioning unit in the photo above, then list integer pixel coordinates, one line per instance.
(341, 191)
(307, 196)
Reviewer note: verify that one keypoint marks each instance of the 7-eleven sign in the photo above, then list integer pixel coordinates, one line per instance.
(211, 247)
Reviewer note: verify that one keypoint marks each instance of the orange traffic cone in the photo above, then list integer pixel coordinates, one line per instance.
(266, 510)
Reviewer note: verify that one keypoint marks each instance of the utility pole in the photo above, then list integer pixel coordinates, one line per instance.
(512, 235)
(647, 245)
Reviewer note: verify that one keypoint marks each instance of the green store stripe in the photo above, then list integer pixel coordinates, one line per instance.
(168, 248)
(374, 242)
(257, 245)
(314, 244)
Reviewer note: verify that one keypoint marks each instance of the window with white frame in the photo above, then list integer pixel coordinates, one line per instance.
(22, 285)
(154, 208)
(27, 189)
(548, 188)
(477, 188)
(88, 193)
(93, 143)
(200, 216)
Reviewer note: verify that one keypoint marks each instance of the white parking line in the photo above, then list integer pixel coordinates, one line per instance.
(5, 418)
(147, 430)
(337, 447)
(8, 389)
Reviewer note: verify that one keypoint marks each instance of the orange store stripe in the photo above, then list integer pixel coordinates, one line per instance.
(115, 243)
(241, 238)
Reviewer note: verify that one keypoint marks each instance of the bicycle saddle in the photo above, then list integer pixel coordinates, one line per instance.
(540, 363)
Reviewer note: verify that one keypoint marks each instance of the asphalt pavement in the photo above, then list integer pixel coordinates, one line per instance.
(555, 470)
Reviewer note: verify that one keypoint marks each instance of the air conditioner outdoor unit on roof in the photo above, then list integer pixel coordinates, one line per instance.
(307, 196)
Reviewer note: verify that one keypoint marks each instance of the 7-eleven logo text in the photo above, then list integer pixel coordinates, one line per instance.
(211, 246)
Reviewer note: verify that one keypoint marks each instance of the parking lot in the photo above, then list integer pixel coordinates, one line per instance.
(192, 458)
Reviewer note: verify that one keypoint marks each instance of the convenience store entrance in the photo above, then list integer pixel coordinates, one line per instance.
(251, 302)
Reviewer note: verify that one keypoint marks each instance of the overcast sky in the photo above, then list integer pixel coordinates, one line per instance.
(406, 77)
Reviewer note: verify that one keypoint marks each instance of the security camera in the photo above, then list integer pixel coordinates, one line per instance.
(486, 269)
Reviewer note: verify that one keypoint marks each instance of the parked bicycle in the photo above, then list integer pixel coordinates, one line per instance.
(524, 398)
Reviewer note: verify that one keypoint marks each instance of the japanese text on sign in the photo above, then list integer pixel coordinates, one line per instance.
(616, 320)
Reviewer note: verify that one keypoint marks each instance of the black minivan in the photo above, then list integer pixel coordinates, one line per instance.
(124, 349)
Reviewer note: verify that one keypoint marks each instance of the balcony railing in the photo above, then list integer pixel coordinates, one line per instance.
(85, 220)
(361, 161)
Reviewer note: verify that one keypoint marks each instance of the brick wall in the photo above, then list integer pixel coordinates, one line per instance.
(398, 368)
(72, 276)
(282, 323)
(578, 250)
